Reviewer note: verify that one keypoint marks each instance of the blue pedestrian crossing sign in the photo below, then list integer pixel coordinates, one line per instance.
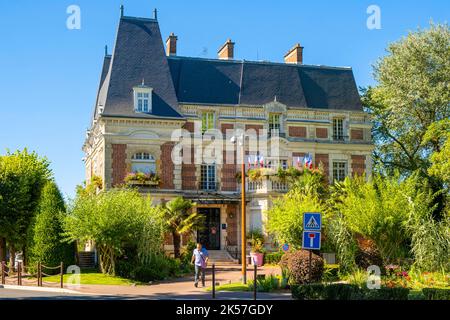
(311, 240)
(312, 221)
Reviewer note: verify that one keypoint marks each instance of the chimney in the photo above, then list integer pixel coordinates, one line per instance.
(226, 52)
(295, 55)
(171, 45)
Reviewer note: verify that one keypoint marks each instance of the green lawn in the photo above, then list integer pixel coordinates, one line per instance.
(94, 278)
(230, 287)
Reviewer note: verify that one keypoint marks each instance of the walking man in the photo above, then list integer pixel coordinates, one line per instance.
(200, 260)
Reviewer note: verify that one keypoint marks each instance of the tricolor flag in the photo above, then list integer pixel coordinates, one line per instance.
(308, 161)
(256, 160)
(249, 161)
(261, 161)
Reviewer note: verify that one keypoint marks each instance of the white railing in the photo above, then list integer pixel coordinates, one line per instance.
(267, 184)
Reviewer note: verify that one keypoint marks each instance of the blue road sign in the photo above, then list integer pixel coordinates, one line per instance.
(285, 247)
(312, 221)
(311, 240)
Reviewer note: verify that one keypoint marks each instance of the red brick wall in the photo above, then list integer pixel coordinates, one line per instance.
(232, 232)
(321, 133)
(228, 179)
(256, 127)
(297, 132)
(188, 174)
(119, 166)
(167, 166)
(189, 126)
(226, 126)
(324, 159)
(356, 134)
(358, 165)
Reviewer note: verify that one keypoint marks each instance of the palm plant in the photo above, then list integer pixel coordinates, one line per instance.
(180, 220)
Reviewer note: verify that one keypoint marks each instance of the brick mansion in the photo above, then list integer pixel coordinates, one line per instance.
(148, 90)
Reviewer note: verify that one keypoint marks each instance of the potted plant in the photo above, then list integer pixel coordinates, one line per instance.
(256, 239)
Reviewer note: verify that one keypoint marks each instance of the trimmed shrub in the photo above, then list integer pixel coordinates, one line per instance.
(313, 291)
(436, 294)
(342, 291)
(384, 293)
(298, 266)
(273, 257)
(367, 254)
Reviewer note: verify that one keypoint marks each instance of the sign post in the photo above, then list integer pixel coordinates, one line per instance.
(312, 225)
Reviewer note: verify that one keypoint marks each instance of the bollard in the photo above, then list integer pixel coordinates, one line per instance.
(214, 280)
(62, 274)
(255, 284)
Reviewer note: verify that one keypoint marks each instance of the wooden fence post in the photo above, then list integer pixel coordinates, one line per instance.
(19, 273)
(39, 274)
(3, 272)
(62, 274)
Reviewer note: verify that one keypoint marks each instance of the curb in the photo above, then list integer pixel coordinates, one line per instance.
(42, 289)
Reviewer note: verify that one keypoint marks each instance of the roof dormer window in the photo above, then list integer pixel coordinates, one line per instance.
(143, 99)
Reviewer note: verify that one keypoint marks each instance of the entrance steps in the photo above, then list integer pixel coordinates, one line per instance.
(221, 257)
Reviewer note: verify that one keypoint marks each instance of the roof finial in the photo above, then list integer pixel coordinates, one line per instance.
(143, 82)
(155, 14)
(121, 10)
(106, 50)
(275, 98)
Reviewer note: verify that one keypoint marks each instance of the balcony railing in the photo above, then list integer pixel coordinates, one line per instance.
(267, 184)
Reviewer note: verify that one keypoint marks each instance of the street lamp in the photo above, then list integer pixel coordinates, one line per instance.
(233, 140)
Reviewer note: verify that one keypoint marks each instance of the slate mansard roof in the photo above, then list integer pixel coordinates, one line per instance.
(139, 55)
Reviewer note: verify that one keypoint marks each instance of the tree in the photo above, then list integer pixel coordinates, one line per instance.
(439, 132)
(22, 177)
(47, 245)
(113, 219)
(285, 217)
(179, 220)
(412, 93)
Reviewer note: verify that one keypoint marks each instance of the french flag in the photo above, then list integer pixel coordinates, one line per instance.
(308, 161)
(261, 161)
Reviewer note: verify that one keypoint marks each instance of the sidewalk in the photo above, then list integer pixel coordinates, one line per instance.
(180, 288)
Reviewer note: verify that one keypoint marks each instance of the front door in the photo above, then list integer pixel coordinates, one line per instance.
(209, 236)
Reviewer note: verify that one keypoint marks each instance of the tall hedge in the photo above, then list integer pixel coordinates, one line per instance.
(47, 245)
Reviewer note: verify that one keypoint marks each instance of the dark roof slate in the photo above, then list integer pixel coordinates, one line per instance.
(139, 54)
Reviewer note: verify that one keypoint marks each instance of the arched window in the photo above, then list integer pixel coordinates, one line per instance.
(143, 162)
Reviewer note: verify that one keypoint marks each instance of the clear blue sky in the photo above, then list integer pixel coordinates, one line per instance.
(49, 74)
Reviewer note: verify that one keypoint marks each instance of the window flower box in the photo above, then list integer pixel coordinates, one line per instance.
(142, 179)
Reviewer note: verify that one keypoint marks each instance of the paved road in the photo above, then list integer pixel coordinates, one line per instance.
(8, 294)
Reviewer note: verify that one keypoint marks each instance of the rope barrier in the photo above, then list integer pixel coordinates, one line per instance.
(50, 275)
(46, 267)
(22, 274)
